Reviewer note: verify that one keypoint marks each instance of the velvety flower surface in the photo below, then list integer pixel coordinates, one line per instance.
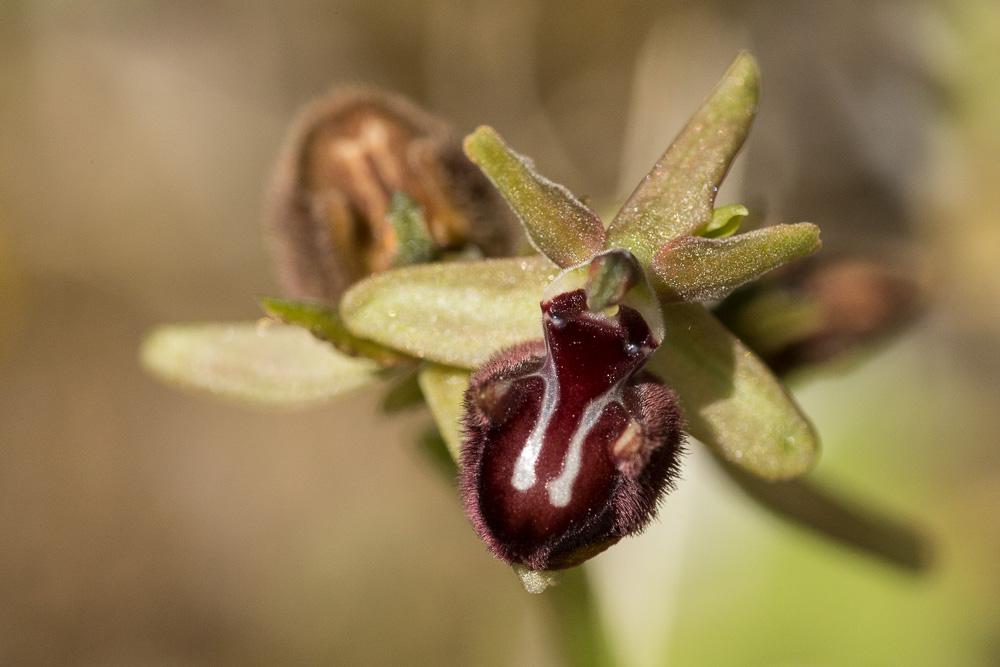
(567, 448)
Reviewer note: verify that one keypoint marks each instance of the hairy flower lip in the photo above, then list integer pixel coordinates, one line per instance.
(567, 449)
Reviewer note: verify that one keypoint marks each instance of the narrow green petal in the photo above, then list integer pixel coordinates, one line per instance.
(274, 366)
(325, 323)
(726, 221)
(456, 313)
(692, 268)
(731, 401)
(444, 388)
(559, 225)
(818, 509)
(677, 195)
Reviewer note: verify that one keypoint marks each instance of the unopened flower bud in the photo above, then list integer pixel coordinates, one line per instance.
(821, 310)
(328, 217)
(568, 448)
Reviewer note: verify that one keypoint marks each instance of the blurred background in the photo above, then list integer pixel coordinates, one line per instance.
(143, 526)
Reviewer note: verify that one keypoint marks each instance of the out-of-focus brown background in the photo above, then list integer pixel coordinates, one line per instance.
(141, 526)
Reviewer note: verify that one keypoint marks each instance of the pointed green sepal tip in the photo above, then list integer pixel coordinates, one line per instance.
(558, 224)
(676, 197)
(694, 268)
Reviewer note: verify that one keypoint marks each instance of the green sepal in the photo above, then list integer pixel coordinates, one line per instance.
(726, 221)
(461, 314)
(458, 313)
(273, 365)
(730, 399)
(558, 224)
(676, 197)
(693, 268)
(444, 388)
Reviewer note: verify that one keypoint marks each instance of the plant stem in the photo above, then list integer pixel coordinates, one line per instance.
(580, 634)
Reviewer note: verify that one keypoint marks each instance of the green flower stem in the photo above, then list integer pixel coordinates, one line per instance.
(576, 620)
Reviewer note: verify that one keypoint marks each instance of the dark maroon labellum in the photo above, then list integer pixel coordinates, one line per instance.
(567, 449)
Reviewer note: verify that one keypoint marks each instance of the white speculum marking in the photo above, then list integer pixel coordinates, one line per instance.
(524, 468)
(560, 489)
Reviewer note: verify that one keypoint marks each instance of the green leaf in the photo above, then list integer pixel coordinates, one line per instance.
(457, 313)
(444, 388)
(559, 225)
(273, 366)
(816, 508)
(692, 268)
(725, 221)
(677, 196)
(324, 323)
(731, 401)
(413, 238)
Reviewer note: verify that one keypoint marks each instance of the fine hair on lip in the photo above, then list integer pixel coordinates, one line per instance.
(545, 478)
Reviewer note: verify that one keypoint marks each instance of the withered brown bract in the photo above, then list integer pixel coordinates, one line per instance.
(822, 310)
(345, 157)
